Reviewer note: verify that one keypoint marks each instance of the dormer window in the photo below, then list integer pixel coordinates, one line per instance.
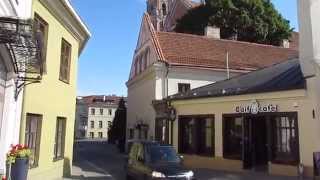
(164, 9)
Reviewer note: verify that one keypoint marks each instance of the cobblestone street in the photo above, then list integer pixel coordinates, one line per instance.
(97, 160)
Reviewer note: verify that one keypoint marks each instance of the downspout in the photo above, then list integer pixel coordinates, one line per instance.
(169, 102)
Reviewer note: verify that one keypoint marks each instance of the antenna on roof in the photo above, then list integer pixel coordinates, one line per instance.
(228, 70)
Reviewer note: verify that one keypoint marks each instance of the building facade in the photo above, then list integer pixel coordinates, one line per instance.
(95, 115)
(47, 128)
(266, 120)
(10, 99)
(166, 63)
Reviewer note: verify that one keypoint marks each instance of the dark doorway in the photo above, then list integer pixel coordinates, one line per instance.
(255, 143)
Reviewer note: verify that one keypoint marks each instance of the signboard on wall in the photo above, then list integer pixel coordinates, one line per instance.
(255, 108)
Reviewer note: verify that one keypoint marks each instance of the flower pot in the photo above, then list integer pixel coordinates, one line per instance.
(19, 169)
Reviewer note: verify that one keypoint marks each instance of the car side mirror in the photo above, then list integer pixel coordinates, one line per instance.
(181, 159)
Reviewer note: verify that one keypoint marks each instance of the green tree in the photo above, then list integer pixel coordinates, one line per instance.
(250, 20)
(117, 132)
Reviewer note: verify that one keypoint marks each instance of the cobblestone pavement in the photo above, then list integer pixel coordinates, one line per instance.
(98, 160)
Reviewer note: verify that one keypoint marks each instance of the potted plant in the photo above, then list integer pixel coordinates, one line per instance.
(18, 162)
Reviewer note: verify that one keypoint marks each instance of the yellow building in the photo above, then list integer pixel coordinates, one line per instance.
(48, 113)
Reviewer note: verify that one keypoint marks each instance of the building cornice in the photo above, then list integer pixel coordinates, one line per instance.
(67, 16)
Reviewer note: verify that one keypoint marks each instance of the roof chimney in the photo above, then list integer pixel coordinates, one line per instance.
(104, 98)
(212, 32)
(285, 43)
(309, 27)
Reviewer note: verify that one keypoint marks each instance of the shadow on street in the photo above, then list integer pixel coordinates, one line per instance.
(97, 160)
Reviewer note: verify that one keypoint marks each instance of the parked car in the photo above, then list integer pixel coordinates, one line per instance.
(151, 160)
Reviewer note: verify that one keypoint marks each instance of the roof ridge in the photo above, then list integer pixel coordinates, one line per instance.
(245, 74)
(154, 36)
(224, 40)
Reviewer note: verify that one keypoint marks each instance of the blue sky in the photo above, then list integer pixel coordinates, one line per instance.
(105, 63)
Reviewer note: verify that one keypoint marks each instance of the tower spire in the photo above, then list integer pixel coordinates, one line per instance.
(158, 10)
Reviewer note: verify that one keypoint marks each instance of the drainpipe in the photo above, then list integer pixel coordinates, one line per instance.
(169, 102)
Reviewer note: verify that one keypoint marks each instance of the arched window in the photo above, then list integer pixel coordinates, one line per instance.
(136, 71)
(146, 59)
(141, 63)
(164, 9)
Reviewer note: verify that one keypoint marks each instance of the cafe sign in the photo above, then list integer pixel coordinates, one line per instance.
(255, 108)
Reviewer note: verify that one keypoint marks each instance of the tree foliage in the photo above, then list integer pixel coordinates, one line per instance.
(117, 132)
(250, 20)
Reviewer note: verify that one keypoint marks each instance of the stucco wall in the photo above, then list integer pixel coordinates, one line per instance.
(195, 77)
(105, 118)
(52, 98)
(140, 97)
(287, 101)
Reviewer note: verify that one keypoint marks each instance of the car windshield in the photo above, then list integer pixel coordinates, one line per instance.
(163, 154)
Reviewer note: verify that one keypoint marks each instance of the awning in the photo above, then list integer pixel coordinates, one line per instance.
(25, 45)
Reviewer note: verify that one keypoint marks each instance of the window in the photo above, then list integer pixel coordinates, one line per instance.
(183, 87)
(100, 124)
(232, 138)
(65, 61)
(60, 138)
(196, 135)
(109, 124)
(91, 134)
(92, 124)
(93, 111)
(146, 58)
(100, 134)
(33, 136)
(110, 112)
(141, 63)
(43, 28)
(101, 111)
(285, 140)
(136, 72)
(164, 9)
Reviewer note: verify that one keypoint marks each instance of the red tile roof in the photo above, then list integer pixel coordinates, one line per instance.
(199, 51)
(93, 99)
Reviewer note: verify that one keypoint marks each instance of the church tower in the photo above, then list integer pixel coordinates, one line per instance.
(158, 11)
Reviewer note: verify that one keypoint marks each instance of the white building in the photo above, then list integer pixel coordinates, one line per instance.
(165, 63)
(95, 115)
(10, 99)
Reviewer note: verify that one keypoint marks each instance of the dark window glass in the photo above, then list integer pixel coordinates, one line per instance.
(101, 111)
(164, 9)
(60, 138)
(92, 134)
(183, 88)
(110, 112)
(92, 124)
(42, 26)
(109, 124)
(93, 111)
(100, 124)
(232, 138)
(285, 144)
(32, 136)
(196, 135)
(163, 154)
(100, 134)
(65, 59)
